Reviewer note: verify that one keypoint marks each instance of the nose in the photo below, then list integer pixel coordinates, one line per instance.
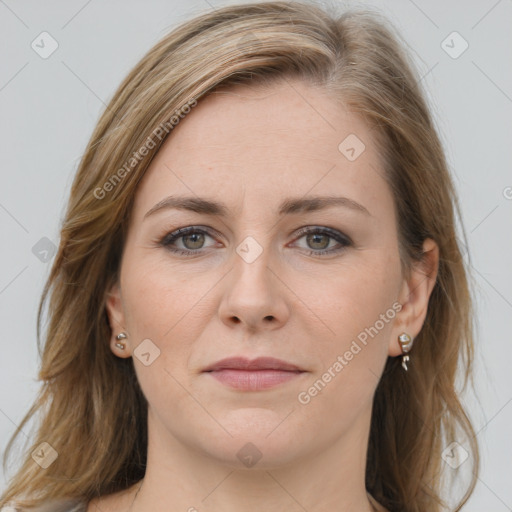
(254, 295)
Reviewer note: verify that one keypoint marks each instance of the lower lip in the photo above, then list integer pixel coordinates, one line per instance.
(253, 380)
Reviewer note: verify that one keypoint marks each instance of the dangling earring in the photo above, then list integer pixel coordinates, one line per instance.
(406, 344)
(121, 336)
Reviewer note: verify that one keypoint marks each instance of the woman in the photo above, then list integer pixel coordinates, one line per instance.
(266, 308)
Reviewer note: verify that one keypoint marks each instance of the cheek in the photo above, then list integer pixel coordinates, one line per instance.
(159, 300)
(160, 305)
(358, 308)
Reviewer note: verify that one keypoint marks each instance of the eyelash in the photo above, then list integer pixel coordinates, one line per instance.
(342, 239)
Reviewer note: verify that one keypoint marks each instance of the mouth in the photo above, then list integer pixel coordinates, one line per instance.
(253, 375)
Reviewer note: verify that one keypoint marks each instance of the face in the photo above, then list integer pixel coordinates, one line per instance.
(262, 271)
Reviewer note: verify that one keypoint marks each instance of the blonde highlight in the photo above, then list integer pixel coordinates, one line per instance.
(90, 406)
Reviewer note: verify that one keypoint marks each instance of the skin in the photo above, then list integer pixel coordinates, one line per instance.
(251, 148)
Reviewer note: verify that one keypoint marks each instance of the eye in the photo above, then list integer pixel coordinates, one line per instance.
(191, 238)
(320, 240)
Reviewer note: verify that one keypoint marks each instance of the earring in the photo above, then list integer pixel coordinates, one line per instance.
(406, 344)
(121, 336)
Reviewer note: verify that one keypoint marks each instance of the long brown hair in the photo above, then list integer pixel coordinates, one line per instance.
(90, 408)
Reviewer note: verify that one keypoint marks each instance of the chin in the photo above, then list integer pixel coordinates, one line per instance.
(255, 454)
(260, 439)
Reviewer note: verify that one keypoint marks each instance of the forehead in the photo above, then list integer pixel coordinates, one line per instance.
(262, 143)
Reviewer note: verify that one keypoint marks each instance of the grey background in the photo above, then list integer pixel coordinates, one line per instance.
(50, 106)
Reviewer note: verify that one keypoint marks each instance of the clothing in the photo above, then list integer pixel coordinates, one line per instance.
(74, 506)
(375, 504)
(55, 506)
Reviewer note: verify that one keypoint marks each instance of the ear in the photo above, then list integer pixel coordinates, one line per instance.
(116, 318)
(414, 296)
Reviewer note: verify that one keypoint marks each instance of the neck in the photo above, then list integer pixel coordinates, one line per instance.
(180, 477)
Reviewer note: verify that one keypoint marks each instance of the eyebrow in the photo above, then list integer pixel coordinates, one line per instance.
(288, 206)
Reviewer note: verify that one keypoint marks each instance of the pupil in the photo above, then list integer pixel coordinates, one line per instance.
(197, 239)
(197, 236)
(315, 237)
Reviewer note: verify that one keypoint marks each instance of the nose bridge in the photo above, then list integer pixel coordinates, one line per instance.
(253, 295)
(252, 264)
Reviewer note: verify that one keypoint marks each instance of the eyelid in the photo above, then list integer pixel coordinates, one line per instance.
(335, 233)
(176, 234)
(343, 240)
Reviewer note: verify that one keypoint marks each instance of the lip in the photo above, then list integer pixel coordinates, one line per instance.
(253, 375)
(260, 363)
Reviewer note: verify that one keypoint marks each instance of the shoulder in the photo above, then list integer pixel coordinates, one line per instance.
(118, 501)
(376, 505)
(54, 506)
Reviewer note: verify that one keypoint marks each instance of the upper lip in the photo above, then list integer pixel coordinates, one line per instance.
(260, 363)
